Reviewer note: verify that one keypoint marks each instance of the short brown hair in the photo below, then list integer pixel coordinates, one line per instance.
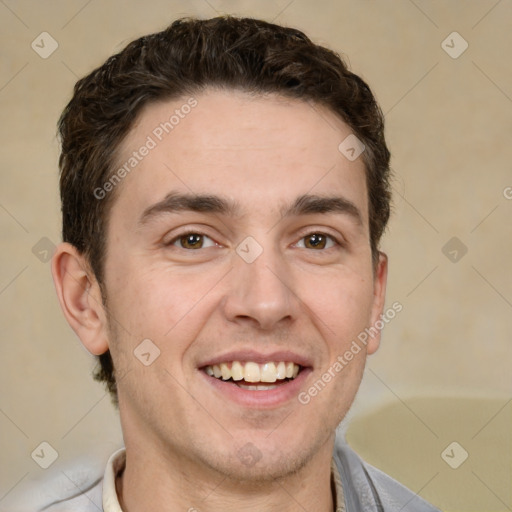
(187, 57)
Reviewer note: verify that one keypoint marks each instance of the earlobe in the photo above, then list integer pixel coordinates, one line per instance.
(79, 296)
(379, 297)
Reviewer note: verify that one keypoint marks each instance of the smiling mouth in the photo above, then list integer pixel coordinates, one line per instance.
(254, 376)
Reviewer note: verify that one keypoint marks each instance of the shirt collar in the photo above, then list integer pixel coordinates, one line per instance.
(338, 496)
(117, 461)
(115, 465)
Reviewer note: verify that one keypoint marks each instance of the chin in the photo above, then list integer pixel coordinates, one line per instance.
(265, 468)
(251, 463)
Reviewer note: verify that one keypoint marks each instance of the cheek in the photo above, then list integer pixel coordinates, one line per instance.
(342, 308)
(165, 305)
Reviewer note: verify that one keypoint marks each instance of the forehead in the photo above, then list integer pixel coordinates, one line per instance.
(259, 150)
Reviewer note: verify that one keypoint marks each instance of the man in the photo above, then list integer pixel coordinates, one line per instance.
(224, 188)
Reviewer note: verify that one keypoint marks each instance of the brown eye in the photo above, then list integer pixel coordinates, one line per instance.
(317, 241)
(193, 241)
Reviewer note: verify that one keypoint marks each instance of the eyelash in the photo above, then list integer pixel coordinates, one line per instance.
(177, 239)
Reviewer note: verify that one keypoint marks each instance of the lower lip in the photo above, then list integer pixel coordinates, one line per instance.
(266, 398)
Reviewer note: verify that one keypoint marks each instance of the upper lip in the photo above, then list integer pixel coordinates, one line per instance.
(258, 357)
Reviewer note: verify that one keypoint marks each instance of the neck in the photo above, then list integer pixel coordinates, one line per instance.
(171, 482)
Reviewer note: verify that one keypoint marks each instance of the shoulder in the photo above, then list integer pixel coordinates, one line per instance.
(78, 486)
(88, 499)
(367, 488)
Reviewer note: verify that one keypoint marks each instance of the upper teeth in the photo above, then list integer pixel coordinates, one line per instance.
(253, 372)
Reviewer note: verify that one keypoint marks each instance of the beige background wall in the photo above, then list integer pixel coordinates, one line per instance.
(443, 370)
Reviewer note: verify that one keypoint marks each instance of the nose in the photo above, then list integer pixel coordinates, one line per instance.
(261, 293)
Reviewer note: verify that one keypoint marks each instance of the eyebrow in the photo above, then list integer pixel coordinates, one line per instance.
(175, 202)
(310, 204)
(203, 203)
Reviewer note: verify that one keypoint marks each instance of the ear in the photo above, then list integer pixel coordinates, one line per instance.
(379, 297)
(80, 298)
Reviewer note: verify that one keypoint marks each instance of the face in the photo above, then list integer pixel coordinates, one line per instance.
(239, 246)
